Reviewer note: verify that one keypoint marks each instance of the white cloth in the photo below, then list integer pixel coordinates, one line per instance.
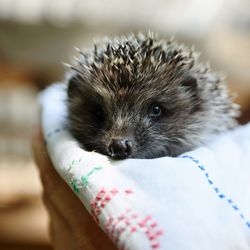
(200, 200)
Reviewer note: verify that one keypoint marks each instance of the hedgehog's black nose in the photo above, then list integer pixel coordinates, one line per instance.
(120, 148)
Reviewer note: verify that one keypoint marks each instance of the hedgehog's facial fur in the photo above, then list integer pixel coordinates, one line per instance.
(152, 93)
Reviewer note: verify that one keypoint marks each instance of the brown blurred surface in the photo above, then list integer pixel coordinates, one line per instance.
(13, 246)
(23, 217)
(24, 222)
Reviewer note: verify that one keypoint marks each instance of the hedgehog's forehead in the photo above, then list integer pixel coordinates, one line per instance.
(131, 94)
(122, 84)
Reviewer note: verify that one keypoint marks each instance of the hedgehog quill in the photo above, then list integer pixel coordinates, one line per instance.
(142, 97)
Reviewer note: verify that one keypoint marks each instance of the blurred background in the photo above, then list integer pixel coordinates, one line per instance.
(37, 35)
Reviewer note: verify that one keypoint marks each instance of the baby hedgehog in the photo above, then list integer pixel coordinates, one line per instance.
(141, 97)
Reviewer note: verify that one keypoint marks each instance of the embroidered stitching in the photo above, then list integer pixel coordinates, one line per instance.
(85, 179)
(219, 193)
(77, 184)
(52, 133)
(129, 223)
(100, 201)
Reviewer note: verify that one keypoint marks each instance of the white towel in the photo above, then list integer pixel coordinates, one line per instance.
(199, 200)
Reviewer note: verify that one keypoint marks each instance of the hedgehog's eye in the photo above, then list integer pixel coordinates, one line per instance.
(155, 111)
(99, 113)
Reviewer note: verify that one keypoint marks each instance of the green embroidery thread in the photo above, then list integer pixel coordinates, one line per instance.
(74, 185)
(85, 179)
(73, 163)
(73, 182)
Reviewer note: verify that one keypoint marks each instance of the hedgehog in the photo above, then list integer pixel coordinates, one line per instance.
(143, 97)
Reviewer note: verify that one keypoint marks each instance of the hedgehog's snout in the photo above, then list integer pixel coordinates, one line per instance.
(120, 148)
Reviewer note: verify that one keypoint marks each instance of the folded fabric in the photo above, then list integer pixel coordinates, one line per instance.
(199, 200)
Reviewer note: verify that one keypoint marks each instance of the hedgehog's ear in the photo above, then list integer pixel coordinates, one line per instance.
(73, 85)
(190, 82)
